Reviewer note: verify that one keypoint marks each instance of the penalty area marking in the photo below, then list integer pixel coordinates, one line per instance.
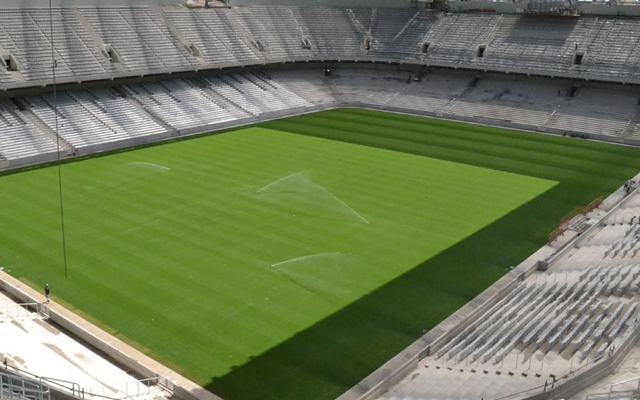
(337, 253)
(152, 165)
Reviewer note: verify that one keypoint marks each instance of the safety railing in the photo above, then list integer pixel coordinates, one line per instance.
(18, 310)
(17, 387)
(620, 218)
(550, 385)
(636, 379)
(145, 386)
(615, 395)
(132, 389)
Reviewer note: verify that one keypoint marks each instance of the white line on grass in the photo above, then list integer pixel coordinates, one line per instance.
(152, 165)
(274, 182)
(306, 257)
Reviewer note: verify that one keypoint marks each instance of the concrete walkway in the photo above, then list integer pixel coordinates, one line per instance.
(630, 368)
(116, 349)
(30, 343)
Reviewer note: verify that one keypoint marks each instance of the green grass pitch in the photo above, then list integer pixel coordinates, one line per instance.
(271, 263)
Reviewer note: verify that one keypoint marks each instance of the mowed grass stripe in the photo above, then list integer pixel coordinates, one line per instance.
(325, 360)
(455, 141)
(199, 251)
(483, 134)
(446, 149)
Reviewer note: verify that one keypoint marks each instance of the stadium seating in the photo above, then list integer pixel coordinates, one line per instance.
(455, 38)
(19, 137)
(611, 45)
(178, 104)
(218, 28)
(139, 37)
(91, 119)
(275, 28)
(212, 69)
(308, 84)
(509, 100)
(87, 119)
(335, 34)
(597, 110)
(533, 43)
(105, 118)
(93, 43)
(26, 35)
(400, 34)
(109, 43)
(546, 326)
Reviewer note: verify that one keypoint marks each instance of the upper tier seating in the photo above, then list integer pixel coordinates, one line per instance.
(99, 43)
(334, 33)
(534, 43)
(26, 35)
(140, 38)
(400, 34)
(455, 38)
(613, 49)
(275, 28)
(215, 36)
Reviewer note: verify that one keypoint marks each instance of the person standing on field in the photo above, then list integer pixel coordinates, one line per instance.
(47, 292)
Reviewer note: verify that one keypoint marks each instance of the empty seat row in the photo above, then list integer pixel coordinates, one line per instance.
(103, 42)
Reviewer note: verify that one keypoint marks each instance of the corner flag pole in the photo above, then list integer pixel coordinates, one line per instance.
(55, 112)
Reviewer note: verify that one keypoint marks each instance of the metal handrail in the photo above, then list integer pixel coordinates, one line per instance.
(39, 307)
(75, 387)
(76, 390)
(633, 335)
(625, 381)
(555, 382)
(619, 394)
(23, 387)
(149, 382)
(82, 393)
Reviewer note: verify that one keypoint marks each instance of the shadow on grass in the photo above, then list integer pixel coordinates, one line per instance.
(330, 357)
